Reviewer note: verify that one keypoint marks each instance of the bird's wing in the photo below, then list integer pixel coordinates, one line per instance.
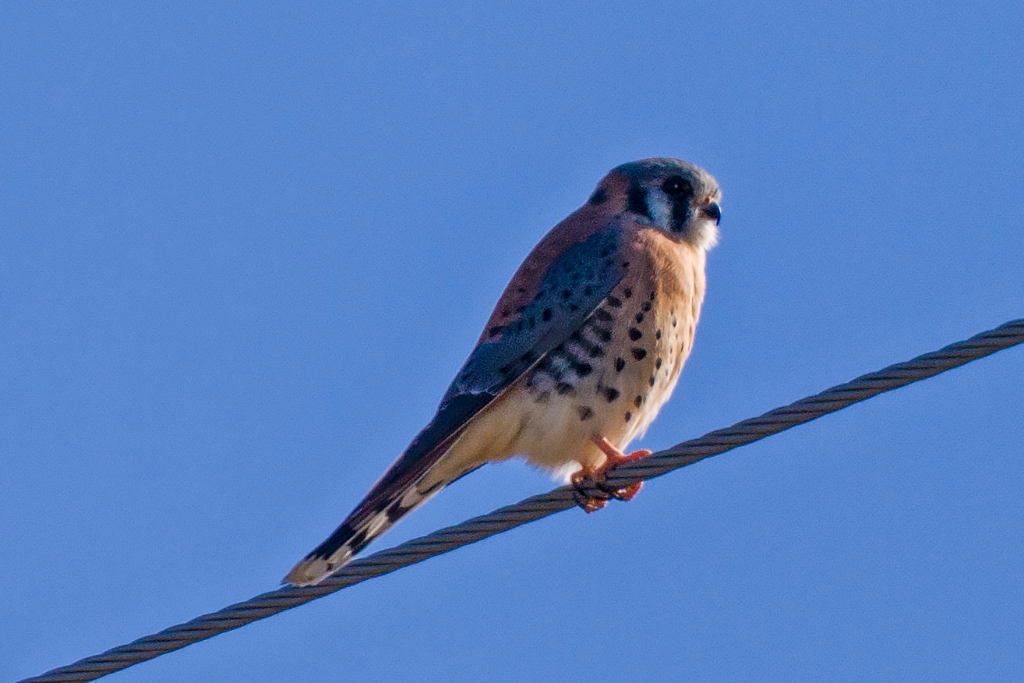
(571, 289)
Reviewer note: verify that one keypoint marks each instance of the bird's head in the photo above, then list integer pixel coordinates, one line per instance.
(674, 196)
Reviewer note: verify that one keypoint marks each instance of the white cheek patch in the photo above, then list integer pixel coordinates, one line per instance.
(661, 210)
(706, 233)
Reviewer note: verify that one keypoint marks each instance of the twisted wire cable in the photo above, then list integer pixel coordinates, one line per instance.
(540, 506)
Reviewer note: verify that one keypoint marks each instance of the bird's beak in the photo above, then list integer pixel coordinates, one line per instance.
(712, 211)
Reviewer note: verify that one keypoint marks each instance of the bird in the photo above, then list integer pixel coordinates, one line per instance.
(583, 348)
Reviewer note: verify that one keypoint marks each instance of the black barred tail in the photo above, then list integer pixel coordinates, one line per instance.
(403, 488)
(355, 533)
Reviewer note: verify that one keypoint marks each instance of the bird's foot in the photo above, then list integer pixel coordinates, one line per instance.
(586, 501)
(599, 476)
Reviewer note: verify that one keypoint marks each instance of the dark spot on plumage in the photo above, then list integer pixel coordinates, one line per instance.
(528, 357)
(564, 388)
(639, 317)
(605, 252)
(506, 312)
(566, 293)
(635, 334)
(358, 540)
(573, 308)
(638, 401)
(651, 380)
(588, 290)
(657, 334)
(603, 315)
(674, 322)
(546, 315)
(595, 351)
(603, 334)
(653, 294)
(554, 374)
(543, 397)
(396, 511)
(619, 364)
(575, 336)
(636, 201)
(585, 412)
(657, 364)
(531, 322)
(627, 292)
(611, 394)
(521, 290)
(646, 306)
(346, 531)
(638, 353)
(614, 302)
(625, 264)
(599, 197)
(629, 416)
(520, 309)
(583, 369)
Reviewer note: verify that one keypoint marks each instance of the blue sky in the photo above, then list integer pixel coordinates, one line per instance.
(244, 250)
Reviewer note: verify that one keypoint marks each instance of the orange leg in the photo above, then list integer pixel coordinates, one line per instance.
(614, 458)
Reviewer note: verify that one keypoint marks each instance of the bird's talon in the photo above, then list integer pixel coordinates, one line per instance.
(629, 492)
(586, 501)
(625, 493)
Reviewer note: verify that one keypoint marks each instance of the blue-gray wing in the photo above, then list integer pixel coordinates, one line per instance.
(569, 293)
(571, 290)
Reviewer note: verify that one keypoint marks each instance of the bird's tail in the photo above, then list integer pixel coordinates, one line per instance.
(367, 522)
(418, 474)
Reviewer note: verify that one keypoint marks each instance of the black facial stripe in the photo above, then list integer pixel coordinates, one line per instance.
(680, 214)
(679, 192)
(638, 201)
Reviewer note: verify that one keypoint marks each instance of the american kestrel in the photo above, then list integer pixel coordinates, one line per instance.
(583, 348)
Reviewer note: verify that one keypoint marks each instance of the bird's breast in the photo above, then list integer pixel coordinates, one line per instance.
(613, 374)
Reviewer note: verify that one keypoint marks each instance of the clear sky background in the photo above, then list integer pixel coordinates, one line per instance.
(244, 249)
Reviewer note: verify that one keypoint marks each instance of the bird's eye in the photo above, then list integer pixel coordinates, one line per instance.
(676, 186)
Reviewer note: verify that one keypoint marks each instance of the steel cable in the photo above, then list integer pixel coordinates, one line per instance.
(537, 507)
